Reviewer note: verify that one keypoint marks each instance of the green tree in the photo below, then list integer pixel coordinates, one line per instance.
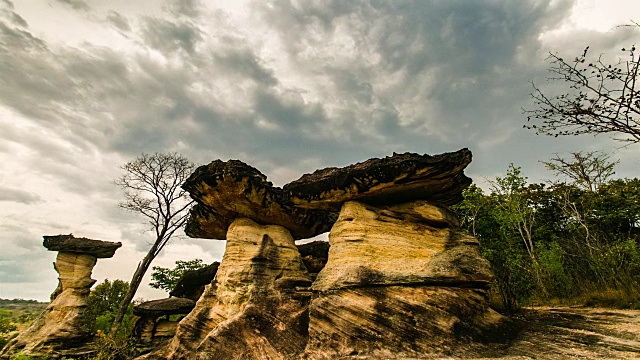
(517, 212)
(166, 278)
(152, 188)
(103, 303)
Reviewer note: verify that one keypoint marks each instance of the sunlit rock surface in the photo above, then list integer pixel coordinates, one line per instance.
(59, 329)
(258, 306)
(401, 280)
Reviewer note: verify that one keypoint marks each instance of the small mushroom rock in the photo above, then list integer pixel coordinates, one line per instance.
(191, 284)
(59, 330)
(314, 256)
(149, 328)
(160, 307)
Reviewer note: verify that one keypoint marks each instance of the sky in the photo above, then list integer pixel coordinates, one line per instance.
(285, 86)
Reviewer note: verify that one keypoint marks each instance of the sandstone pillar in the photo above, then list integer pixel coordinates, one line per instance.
(256, 308)
(59, 329)
(401, 280)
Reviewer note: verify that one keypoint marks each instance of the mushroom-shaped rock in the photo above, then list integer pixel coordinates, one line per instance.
(191, 284)
(169, 306)
(390, 180)
(69, 243)
(59, 330)
(226, 191)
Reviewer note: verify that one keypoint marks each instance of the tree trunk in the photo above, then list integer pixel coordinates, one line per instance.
(142, 268)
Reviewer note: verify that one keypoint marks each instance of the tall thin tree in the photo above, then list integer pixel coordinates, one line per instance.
(152, 188)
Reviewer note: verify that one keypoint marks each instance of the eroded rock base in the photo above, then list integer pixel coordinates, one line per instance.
(59, 330)
(257, 308)
(396, 322)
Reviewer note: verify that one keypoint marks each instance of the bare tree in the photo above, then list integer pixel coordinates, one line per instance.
(589, 170)
(152, 188)
(602, 98)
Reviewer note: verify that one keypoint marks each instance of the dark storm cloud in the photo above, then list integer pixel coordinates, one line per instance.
(7, 11)
(245, 62)
(19, 196)
(376, 77)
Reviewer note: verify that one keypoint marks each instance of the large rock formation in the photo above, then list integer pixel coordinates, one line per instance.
(59, 329)
(225, 191)
(257, 308)
(401, 280)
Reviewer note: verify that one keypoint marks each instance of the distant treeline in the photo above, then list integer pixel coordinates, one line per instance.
(568, 242)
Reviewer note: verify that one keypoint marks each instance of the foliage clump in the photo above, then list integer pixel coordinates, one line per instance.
(568, 242)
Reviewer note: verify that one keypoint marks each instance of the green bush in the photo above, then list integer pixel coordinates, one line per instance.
(555, 278)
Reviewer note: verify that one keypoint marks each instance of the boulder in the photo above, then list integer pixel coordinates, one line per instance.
(258, 306)
(191, 284)
(226, 191)
(149, 328)
(390, 180)
(59, 330)
(314, 256)
(401, 281)
(69, 243)
(168, 306)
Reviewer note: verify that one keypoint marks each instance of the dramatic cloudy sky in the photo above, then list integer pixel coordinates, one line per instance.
(287, 86)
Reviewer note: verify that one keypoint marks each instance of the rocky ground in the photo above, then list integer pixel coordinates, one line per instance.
(567, 333)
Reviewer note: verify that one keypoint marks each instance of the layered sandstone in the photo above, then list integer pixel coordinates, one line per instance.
(257, 307)
(401, 280)
(59, 329)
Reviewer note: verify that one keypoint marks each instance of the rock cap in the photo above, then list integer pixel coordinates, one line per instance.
(227, 190)
(391, 180)
(168, 306)
(69, 243)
